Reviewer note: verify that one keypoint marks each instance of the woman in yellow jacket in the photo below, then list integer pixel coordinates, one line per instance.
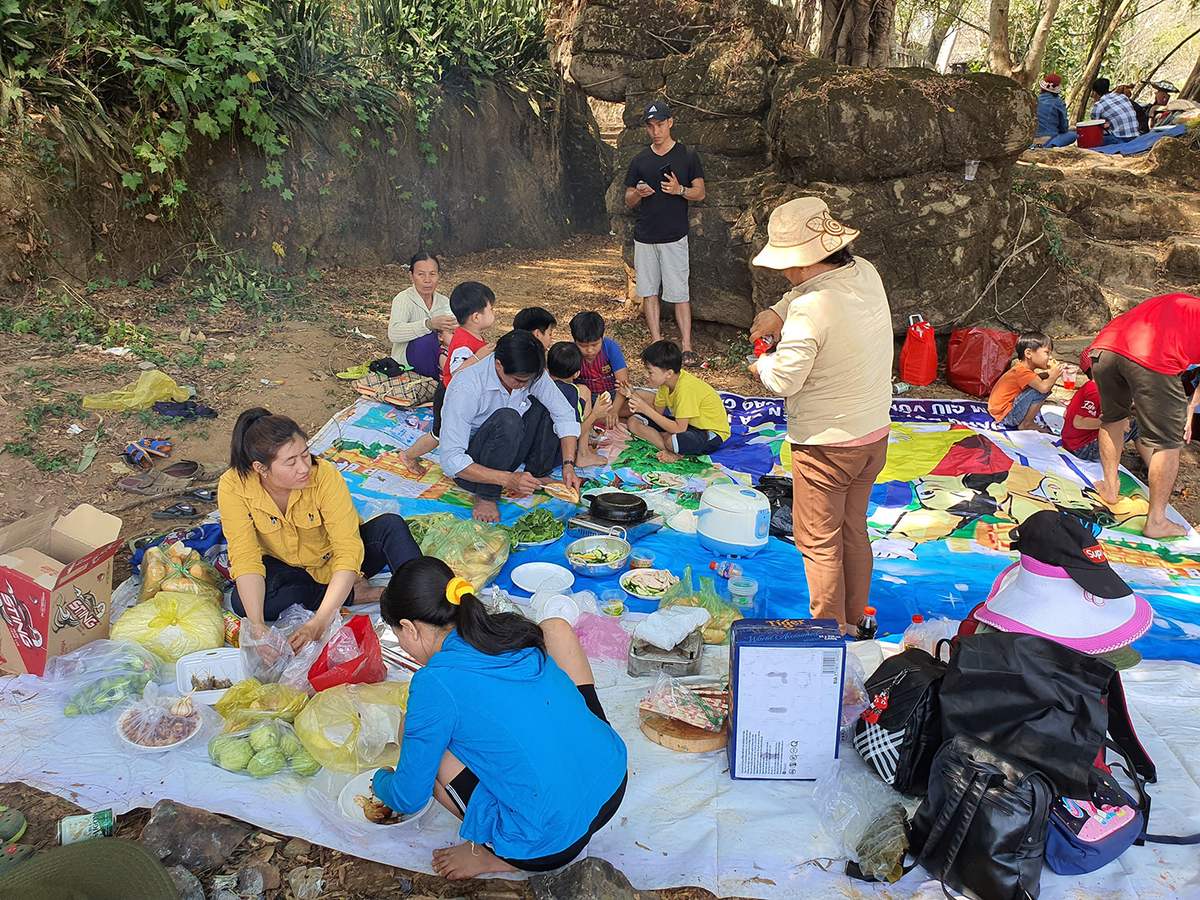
(294, 534)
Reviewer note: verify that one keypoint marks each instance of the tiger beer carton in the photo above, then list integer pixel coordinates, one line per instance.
(55, 585)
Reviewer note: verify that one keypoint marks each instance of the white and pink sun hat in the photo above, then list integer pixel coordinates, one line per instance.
(1063, 589)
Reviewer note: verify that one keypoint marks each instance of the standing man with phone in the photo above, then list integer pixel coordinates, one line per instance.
(661, 181)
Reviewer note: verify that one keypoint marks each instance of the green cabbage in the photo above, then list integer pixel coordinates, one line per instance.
(266, 762)
(303, 764)
(235, 756)
(264, 737)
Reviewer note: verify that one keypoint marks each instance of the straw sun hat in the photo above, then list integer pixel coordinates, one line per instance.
(801, 232)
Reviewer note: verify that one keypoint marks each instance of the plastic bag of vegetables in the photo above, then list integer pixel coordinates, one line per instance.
(262, 749)
(722, 613)
(101, 675)
(177, 568)
(172, 625)
(475, 551)
(354, 727)
(250, 701)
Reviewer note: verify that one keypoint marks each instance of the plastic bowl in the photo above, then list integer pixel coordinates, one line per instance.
(742, 590)
(598, 570)
(641, 559)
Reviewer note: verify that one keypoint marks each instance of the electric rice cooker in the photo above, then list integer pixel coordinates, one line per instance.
(733, 520)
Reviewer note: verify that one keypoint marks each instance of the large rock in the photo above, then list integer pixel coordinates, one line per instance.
(589, 879)
(843, 124)
(193, 838)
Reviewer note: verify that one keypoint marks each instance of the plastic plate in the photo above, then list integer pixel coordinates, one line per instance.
(542, 576)
(361, 784)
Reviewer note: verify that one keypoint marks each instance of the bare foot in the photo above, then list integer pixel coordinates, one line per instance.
(486, 510)
(467, 861)
(1109, 495)
(668, 457)
(416, 466)
(365, 592)
(587, 458)
(1164, 529)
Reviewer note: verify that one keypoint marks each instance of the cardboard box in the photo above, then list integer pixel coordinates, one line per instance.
(55, 585)
(785, 680)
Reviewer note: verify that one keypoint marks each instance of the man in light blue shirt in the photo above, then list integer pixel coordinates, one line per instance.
(500, 414)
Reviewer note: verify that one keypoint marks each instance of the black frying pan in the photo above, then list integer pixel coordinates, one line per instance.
(615, 506)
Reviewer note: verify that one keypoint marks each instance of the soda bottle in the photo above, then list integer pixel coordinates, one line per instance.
(726, 570)
(867, 626)
(762, 345)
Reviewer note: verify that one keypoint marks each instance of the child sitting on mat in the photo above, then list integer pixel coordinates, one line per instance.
(1017, 398)
(697, 422)
(563, 362)
(503, 727)
(473, 305)
(604, 367)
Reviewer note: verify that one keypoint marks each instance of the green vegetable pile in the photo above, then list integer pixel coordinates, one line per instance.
(105, 693)
(536, 526)
(266, 750)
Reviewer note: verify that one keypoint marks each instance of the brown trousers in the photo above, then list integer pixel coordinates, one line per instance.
(830, 490)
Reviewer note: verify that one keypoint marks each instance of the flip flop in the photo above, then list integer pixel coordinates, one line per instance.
(12, 856)
(178, 511)
(204, 495)
(12, 825)
(142, 542)
(690, 358)
(353, 373)
(140, 454)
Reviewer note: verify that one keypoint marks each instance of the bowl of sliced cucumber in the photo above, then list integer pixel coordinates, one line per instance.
(598, 555)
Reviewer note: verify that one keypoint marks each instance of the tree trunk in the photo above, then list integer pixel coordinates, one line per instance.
(942, 24)
(1150, 77)
(1000, 51)
(1191, 87)
(806, 21)
(1082, 91)
(857, 32)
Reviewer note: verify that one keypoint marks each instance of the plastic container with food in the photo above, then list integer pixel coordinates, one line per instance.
(641, 559)
(207, 674)
(612, 603)
(742, 591)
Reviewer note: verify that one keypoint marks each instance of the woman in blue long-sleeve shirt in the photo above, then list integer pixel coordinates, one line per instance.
(503, 728)
(1052, 121)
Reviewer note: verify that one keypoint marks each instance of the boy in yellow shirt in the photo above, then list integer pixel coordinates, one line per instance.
(697, 423)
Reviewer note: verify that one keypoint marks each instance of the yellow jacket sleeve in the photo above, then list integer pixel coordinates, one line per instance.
(245, 552)
(340, 519)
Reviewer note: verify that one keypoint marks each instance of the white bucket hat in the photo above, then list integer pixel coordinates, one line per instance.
(801, 232)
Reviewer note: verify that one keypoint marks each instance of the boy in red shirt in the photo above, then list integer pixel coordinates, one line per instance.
(473, 305)
(1137, 359)
(1018, 395)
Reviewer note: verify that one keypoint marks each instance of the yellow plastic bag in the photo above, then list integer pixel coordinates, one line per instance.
(150, 387)
(172, 625)
(178, 568)
(354, 727)
(722, 613)
(252, 701)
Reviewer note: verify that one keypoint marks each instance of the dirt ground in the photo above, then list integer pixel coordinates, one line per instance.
(236, 360)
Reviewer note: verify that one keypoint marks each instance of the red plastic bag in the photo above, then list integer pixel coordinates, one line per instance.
(362, 664)
(918, 357)
(977, 357)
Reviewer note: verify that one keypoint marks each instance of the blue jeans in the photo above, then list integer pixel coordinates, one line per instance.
(1061, 140)
(1110, 139)
(1021, 406)
(1091, 450)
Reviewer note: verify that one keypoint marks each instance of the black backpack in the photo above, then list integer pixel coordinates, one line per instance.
(899, 732)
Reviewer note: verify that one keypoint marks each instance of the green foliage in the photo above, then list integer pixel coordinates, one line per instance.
(231, 278)
(54, 318)
(134, 83)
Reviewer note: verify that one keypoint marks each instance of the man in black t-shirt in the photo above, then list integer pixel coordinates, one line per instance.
(660, 183)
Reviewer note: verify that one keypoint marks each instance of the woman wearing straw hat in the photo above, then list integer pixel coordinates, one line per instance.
(833, 363)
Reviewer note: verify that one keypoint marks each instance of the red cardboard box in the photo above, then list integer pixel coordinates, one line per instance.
(55, 585)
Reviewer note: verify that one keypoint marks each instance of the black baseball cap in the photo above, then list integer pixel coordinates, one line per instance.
(657, 109)
(1060, 539)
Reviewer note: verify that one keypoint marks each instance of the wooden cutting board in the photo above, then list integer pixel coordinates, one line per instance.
(682, 737)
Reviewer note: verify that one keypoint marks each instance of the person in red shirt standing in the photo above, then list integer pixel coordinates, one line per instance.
(1081, 424)
(1137, 359)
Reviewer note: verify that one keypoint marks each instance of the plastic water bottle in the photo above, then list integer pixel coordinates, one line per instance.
(867, 626)
(916, 634)
(726, 570)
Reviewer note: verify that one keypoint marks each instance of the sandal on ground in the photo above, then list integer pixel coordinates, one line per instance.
(12, 856)
(353, 373)
(204, 495)
(168, 480)
(12, 825)
(178, 511)
(690, 358)
(141, 542)
(142, 453)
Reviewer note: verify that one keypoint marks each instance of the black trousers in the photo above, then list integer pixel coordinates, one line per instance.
(507, 440)
(386, 544)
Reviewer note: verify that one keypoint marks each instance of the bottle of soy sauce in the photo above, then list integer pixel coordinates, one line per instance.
(867, 626)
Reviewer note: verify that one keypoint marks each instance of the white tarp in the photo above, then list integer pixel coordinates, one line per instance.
(683, 822)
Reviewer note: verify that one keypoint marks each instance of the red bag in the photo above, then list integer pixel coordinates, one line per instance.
(365, 666)
(977, 357)
(918, 357)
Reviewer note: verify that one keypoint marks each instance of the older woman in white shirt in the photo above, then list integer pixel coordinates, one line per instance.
(419, 315)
